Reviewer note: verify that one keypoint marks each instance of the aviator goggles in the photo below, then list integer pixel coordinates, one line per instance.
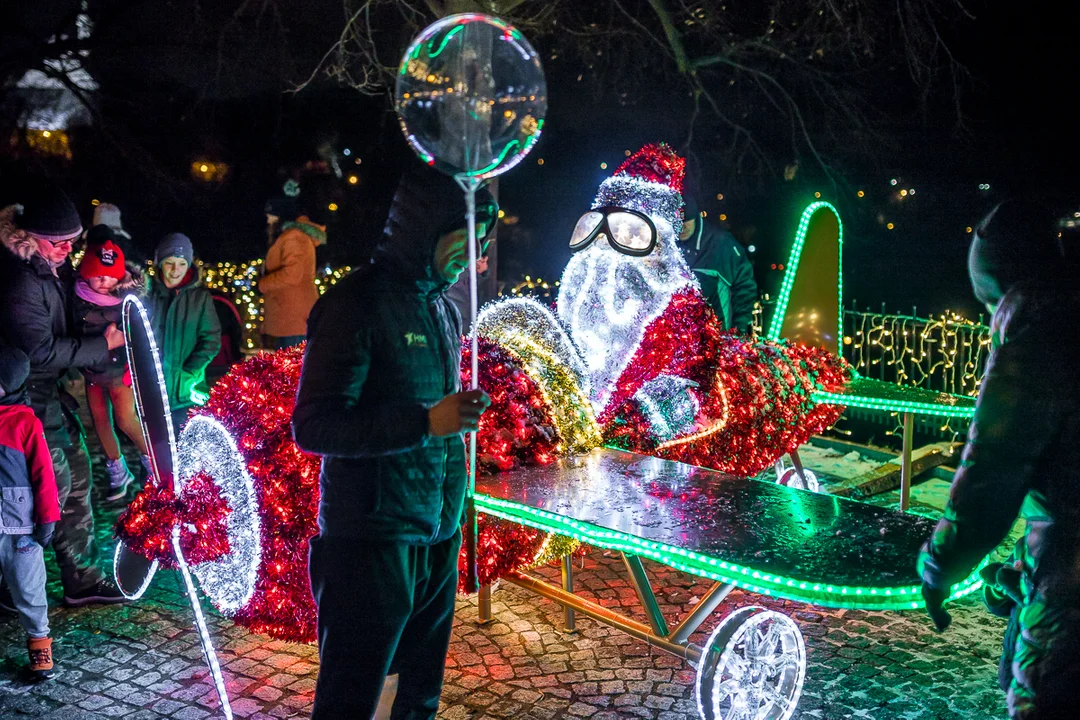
(629, 231)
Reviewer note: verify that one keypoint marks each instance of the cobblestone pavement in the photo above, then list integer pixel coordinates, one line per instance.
(143, 660)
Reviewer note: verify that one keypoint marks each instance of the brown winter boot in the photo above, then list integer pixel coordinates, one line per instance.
(41, 664)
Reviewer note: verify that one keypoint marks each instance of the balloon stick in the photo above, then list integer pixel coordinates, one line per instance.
(472, 581)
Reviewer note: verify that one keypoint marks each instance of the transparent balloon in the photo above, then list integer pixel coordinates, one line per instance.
(471, 96)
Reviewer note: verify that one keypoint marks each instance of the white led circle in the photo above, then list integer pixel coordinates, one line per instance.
(752, 668)
(206, 446)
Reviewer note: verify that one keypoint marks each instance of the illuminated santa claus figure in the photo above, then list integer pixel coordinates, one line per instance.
(636, 353)
(625, 274)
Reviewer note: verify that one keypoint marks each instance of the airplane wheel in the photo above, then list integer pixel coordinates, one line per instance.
(752, 667)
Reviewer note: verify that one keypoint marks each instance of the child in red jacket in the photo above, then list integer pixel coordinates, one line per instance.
(29, 507)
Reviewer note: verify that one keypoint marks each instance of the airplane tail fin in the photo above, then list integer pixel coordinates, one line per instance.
(810, 304)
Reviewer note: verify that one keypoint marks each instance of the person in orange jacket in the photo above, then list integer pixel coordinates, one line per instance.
(288, 282)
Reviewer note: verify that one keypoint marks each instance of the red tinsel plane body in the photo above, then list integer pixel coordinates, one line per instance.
(753, 397)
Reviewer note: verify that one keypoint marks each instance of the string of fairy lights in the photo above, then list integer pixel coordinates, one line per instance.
(239, 281)
(946, 353)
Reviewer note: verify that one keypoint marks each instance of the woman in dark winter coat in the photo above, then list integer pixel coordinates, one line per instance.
(104, 279)
(185, 325)
(1022, 458)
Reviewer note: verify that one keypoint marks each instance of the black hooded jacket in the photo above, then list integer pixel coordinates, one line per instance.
(384, 346)
(1022, 459)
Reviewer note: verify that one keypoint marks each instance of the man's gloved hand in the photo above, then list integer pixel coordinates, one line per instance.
(1001, 587)
(1008, 578)
(43, 533)
(935, 606)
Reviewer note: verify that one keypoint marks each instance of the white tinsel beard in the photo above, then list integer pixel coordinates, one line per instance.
(607, 299)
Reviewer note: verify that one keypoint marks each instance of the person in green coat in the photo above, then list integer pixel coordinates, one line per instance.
(185, 325)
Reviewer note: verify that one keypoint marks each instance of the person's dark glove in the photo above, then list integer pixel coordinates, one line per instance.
(935, 606)
(43, 533)
(1001, 588)
(1008, 579)
(996, 599)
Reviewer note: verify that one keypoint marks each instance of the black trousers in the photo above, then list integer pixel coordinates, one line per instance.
(382, 607)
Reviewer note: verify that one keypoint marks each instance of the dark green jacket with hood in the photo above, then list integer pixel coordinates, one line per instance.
(188, 334)
(724, 272)
(384, 346)
(1022, 458)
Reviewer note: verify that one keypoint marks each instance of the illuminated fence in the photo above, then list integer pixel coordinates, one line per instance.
(946, 353)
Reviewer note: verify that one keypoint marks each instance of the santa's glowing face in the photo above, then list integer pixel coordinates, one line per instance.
(608, 297)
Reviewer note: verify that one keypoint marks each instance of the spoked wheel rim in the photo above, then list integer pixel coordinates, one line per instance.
(752, 667)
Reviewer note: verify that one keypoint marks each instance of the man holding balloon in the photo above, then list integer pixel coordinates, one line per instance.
(380, 400)
(380, 395)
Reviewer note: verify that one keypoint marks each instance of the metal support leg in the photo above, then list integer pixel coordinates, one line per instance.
(609, 617)
(701, 611)
(905, 462)
(797, 462)
(483, 606)
(569, 621)
(645, 593)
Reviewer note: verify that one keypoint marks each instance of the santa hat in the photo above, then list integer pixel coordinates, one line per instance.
(650, 181)
(104, 260)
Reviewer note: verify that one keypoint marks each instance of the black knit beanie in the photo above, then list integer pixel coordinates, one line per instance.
(690, 210)
(14, 368)
(47, 212)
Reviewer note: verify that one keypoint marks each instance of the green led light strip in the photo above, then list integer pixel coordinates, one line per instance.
(777, 323)
(866, 598)
(919, 408)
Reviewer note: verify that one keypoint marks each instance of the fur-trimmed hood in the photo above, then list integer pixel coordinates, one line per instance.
(18, 242)
(136, 280)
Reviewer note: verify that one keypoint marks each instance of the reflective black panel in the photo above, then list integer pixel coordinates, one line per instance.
(773, 529)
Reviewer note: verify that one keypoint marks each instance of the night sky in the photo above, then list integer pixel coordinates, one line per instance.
(165, 104)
